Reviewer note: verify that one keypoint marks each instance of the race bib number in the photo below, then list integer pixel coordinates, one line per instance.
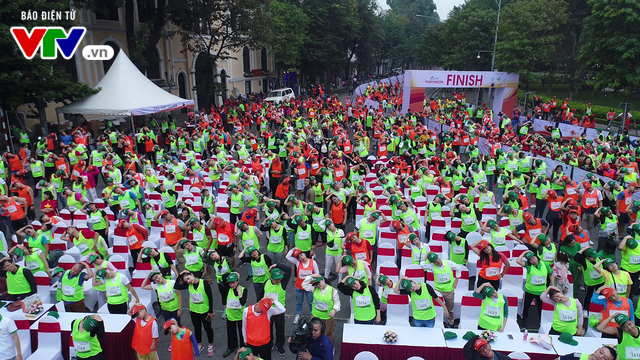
(485, 199)
(363, 301)
(196, 298)
(368, 234)
(457, 183)
(170, 229)
(132, 240)
(114, 291)
(359, 274)
(234, 304)
(124, 203)
(634, 259)
(628, 200)
(321, 305)
(555, 205)
(303, 235)
(68, 290)
(621, 288)
(492, 311)
(491, 167)
(339, 173)
(445, 191)
(191, 259)
(82, 346)
(82, 247)
(235, 204)
(548, 256)
(166, 198)
(571, 191)
(383, 148)
(222, 270)
(534, 232)
(36, 169)
(361, 256)
(458, 250)
(499, 240)
(594, 274)
(423, 304)
(515, 222)
(11, 209)
(223, 238)
(302, 274)
(469, 220)
(248, 242)
(590, 201)
(492, 271)
(207, 205)
(32, 265)
(443, 278)
(198, 236)
(538, 280)
(612, 226)
(275, 239)
(632, 352)
(73, 208)
(166, 296)
(567, 315)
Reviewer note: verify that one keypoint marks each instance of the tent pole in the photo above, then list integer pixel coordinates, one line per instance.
(133, 130)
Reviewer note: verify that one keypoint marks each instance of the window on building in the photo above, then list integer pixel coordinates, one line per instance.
(247, 87)
(146, 9)
(263, 59)
(106, 64)
(153, 68)
(69, 66)
(246, 61)
(108, 10)
(182, 86)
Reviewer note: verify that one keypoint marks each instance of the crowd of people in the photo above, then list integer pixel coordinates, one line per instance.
(293, 184)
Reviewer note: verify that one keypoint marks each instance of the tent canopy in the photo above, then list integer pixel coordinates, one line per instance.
(126, 91)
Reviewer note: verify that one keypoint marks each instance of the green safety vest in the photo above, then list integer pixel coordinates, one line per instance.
(322, 304)
(276, 244)
(34, 263)
(221, 270)
(549, 256)
(249, 238)
(498, 238)
(96, 158)
(71, 290)
(200, 237)
(317, 217)
(36, 242)
(303, 238)
(37, 169)
(368, 231)
(443, 277)
(565, 319)
(591, 276)
(422, 304)
(86, 346)
(485, 199)
(193, 259)
(260, 270)
(236, 203)
(457, 252)
(536, 279)
(117, 293)
(167, 297)
(275, 290)
(17, 284)
(363, 309)
(629, 347)
(410, 217)
(492, 313)
(234, 309)
(198, 299)
(336, 249)
(469, 221)
(168, 200)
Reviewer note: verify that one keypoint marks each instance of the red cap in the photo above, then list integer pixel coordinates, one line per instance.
(163, 212)
(565, 178)
(252, 212)
(634, 184)
(483, 244)
(606, 292)
(527, 216)
(573, 227)
(480, 342)
(396, 224)
(265, 304)
(169, 322)
(296, 252)
(586, 184)
(136, 309)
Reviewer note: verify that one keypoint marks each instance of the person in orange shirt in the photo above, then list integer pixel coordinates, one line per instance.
(184, 345)
(145, 333)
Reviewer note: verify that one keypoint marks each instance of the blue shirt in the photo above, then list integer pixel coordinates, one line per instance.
(321, 348)
(66, 139)
(595, 299)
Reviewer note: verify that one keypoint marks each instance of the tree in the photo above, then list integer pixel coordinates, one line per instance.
(34, 81)
(367, 35)
(477, 27)
(403, 14)
(526, 39)
(285, 33)
(612, 40)
(141, 42)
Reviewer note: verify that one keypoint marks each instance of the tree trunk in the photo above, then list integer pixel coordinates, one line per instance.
(130, 31)
(41, 105)
(156, 33)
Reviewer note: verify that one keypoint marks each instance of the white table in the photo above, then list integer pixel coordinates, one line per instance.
(408, 336)
(113, 323)
(585, 344)
(502, 342)
(6, 313)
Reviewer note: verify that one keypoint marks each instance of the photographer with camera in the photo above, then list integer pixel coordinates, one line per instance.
(318, 346)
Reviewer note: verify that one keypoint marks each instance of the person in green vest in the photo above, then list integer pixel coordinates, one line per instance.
(70, 287)
(193, 257)
(20, 280)
(33, 239)
(445, 280)
(118, 287)
(587, 258)
(98, 218)
(34, 259)
(494, 311)
(260, 264)
(170, 299)
(567, 313)
(366, 303)
(614, 277)
(422, 296)
(627, 332)
(631, 258)
(538, 275)
(544, 248)
(86, 334)
(326, 302)
(200, 306)
(277, 237)
(419, 250)
(236, 301)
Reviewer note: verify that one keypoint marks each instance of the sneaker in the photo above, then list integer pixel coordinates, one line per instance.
(224, 315)
(228, 352)
(210, 350)
(201, 348)
(281, 351)
(248, 278)
(296, 319)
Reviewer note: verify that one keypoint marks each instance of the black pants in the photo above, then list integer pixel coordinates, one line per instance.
(277, 323)
(494, 283)
(95, 357)
(234, 218)
(118, 308)
(105, 236)
(528, 297)
(318, 235)
(199, 321)
(224, 291)
(264, 351)
(259, 289)
(541, 206)
(234, 333)
(589, 293)
(173, 210)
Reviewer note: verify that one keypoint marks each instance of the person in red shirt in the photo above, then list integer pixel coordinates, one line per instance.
(338, 211)
(360, 249)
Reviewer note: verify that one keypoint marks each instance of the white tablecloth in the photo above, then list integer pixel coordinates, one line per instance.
(502, 342)
(6, 313)
(585, 344)
(411, 336)
(113, 323)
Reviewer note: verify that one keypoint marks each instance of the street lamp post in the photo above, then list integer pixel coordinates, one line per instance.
(495, 41)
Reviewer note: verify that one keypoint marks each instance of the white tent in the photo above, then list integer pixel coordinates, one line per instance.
(126, 92)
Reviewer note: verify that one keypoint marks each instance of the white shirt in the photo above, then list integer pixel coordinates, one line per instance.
(7, 327)
(154, 328)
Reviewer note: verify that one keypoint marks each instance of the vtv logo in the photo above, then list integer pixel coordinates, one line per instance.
(51, 39)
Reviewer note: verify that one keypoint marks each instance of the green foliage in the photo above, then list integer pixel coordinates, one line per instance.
(525, 38)
(477, 27)
(611, 43)
(286, 32)
(599, 111)
(368, 33)
(30, 81)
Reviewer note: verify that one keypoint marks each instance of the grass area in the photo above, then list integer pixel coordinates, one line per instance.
(607, 99)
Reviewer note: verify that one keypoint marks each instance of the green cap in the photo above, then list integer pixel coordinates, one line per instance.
(93, 258)
(594, 321)
(58, 270)
(18, 252)
(482, 188)
(528, 255)
(347, 260)
(53, 314)
(271, 204)
(448, 335)
(543, 238)
(298, 219)
(512, 195)
(567, 339)
(146, 251)
(488, 291)
(250, 249)
(632, 243)
(360, 188)
(393, 199)
(317, 279)
(242, 355)
(241, 224)
(268, 222)
(432, 257)
(41, 183)
(506, 208)
(382, 279)
(605, 210)
(621, 319)
(413, 237)
(193, 220)
(450, 236)
(232, 277)
(406, 284)
(350, 281)
(90, 324)
(608, 262)
(182, 242)
(590, 253)
(491, 223)
(469, 334)
(277, 274)
(101, 273)
(310, 207)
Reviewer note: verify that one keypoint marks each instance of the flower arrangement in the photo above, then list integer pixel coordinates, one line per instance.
(35, 307)
(390, 337)
(488, 335)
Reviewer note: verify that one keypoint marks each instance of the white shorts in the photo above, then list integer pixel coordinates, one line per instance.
(300, 184)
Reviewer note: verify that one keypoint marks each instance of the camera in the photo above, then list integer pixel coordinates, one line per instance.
(300, 335)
